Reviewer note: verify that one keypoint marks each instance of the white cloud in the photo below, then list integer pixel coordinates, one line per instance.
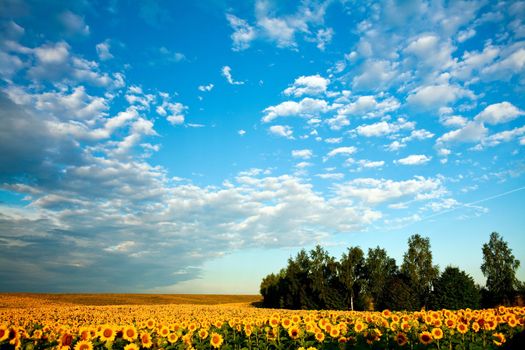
(368, 106)
(226, 72)
(340, 150)
(464, 35)
(307, 107)
(503, 136)
(338, 122)
(384, 128)
(505, 68)
(324, 37)
(471, 132)
(73, 23)
(376, 74)
(395, 146)
(103, 50)
(204, 88)
(431, 51)
(282, 130)
(331, 176)
(371, 164)
(499, 113)
(420, 134)
(430, 96)
(333, 140)
(376, 191)
(308, 85)
(172, 111)
(171, 56)
(302, 153)
(453, 120)
(303, 165)
(241, 132)
(413, 159)
(243, 34)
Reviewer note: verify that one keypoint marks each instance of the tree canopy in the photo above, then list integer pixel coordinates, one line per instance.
(499, 267)
(316, 280)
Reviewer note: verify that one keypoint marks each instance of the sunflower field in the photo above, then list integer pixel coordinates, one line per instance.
(239, 326)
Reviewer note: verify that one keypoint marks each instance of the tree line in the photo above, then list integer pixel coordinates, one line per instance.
(316, 280)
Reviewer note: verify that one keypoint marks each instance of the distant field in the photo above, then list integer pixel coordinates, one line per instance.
(28, 299)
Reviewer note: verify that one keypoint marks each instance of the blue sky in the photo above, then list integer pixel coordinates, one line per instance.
(161, 146)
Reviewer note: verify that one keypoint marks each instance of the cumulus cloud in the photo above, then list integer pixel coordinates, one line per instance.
(302, 153)
(471, 132)
(308, 85)
(103, 50)
(375, 75)
(73, 23)
(384, 128)
(204, 88)
(499, 113)
(431, 96)
(243, 33)
(226, 72)
(340, 150)
(307, 108)
(413, 159)
(281, 130)
(372, 191)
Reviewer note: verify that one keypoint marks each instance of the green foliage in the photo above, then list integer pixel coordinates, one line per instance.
(398, 294)
(379, 267)
(316, 280)
(417, 266)
(499, 266)
(454, 290)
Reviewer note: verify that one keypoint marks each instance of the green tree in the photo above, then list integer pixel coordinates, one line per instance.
(499, 267)
(351, 268)
(398, 295)
(379, 267)
(323, 276)
(417, 266)
(454, 290)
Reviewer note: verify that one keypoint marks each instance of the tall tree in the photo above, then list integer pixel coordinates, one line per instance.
(499, 266)
(417, 266)
(351, 269)
(455, 289)
(379, 267)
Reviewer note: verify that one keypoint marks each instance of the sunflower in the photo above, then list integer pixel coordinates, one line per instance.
(216, 340)
(499, 339)
(475, 327)
(37, 334)
(203, 334)
(335, 332)
(311, 348)
(451, 323)
(145, 340)
(164, 331)
(173, 337)
(150, 323)
(4, 333)
(107, 333)
(462, 328)
(359, 327)
(84, 345)
(286, 323)
(319, 336)
(294, 332)
(129, 333)
(437, 333)
(425, 338)
(401, 339)
(131, 346)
